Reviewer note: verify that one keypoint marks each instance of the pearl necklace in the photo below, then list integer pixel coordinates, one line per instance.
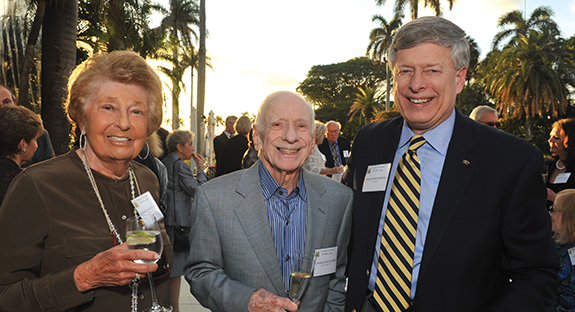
(135, 282)
(557, 165)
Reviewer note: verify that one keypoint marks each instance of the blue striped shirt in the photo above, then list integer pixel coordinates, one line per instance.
(288, 218)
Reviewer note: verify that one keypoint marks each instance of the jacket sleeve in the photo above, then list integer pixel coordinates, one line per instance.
(186, 178)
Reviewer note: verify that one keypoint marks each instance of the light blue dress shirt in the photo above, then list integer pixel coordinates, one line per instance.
(432, 156)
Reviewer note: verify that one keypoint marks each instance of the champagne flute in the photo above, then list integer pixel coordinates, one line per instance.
(544, 172)
(144, 233)
(301, 273)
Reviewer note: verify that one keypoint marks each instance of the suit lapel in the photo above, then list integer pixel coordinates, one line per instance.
(253, 217)
(457, 171)
(316, 214)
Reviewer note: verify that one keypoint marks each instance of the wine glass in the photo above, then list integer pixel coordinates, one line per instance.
(144, 233)
(301, 273)
(544, 172)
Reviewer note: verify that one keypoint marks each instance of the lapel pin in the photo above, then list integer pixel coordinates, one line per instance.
(466, 162)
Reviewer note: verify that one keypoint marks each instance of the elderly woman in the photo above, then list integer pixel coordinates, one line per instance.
(236, 147)
(563, 226)
(316, 160)
(561, 167)
(19, 130)
(63, 222)
(181, 188)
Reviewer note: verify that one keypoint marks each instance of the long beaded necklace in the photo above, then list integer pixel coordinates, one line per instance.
(557, 165)
(136, 281)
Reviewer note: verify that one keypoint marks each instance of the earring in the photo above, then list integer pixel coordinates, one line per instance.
(23, 151)
(82, 146)
(148, 152)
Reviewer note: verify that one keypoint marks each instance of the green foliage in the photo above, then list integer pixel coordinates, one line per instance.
(472, 96)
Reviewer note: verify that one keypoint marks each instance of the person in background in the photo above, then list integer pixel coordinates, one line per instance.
(563, 225)
(236, 147)
(560, 168)
(485, 115)
(63, 221)
(250, 225)
(221, 140)
(316, 160)
(335, 147)
(148, 157)
(441, 222)
(181, 188)
(45, 149)
(19, 130)
(251, 155)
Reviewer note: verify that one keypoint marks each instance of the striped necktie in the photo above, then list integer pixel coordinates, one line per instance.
(392, 289)
(335, 154)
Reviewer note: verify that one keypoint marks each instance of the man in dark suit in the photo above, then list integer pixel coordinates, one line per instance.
(333, 142)
(479, 236)
(221, 140)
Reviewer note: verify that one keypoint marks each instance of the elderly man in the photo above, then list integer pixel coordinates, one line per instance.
(249, 226)
(335, 148)
(485, 115)
(45, 149)
(221, 140)
(441, 221)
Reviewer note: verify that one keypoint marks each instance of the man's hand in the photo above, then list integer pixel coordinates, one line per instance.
(113, 267)
(265, 301)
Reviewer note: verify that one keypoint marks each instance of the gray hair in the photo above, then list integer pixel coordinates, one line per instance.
(320, 130)
(243, 125)
(333, 122)
(178, 137)
(270, 100)
(231, 119)
(432, 29)
(480, 110)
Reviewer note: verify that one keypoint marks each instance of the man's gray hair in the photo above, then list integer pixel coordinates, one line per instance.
(432, 29)
(267, 104)
(478, 111)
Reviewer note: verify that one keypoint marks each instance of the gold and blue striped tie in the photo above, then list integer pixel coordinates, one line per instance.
(392, 289)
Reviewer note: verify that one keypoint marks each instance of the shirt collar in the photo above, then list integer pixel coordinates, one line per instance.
(270, 187)
(438, 138)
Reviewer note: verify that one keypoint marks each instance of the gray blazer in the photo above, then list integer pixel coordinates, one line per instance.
(232, 248)
(180, 190)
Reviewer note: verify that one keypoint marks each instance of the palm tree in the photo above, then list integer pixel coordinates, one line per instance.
(380, 40)
(58, 60)
(368, 102)
(202, 76)
(540, 19)
(400, 5)
(532, 76)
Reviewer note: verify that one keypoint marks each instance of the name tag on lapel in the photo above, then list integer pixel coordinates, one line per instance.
(326, 261)
(376, 178)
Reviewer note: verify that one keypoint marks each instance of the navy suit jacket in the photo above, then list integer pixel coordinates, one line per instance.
(488, 226)
(343, 144)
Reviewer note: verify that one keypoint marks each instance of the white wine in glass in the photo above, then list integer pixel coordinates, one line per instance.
(302, 272)
(144, 233)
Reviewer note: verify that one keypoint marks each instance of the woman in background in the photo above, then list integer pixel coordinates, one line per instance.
(19, 130)
(180, 192)
(560, 169)
(563, 226)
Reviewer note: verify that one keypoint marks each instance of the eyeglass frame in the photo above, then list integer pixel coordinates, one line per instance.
(491, 124)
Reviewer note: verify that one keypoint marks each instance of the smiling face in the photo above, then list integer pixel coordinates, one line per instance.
(557, 142)
(287, 137)
(115, 123)
(426, 84)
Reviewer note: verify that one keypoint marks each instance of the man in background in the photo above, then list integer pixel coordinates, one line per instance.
(45, 149)
(221, 140)
(485, 115)
(335, 147)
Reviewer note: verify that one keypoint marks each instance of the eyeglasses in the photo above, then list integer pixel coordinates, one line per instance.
(553, 209)
(491, 124)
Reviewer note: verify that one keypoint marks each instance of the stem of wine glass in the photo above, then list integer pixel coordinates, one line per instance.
(155, 304)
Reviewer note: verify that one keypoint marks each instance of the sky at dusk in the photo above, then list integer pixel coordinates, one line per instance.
(260, 46)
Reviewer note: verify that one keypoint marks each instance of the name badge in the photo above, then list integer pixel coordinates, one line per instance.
(345, 154)
(562, 178)
(146, 205)
(572, 255)
(325, 262)
(376, 178)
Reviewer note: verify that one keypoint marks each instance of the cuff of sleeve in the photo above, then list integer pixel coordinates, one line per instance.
(62, 292)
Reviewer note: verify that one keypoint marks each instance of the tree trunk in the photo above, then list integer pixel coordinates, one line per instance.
(58, 60)
(201, 78)
(388, 87)
(528, 128)
(24, 91)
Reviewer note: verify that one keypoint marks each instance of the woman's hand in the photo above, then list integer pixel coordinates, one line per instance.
(338, 169)
(113, 267)
(199, 160)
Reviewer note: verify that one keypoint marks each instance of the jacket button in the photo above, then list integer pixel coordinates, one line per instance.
(367, 272)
